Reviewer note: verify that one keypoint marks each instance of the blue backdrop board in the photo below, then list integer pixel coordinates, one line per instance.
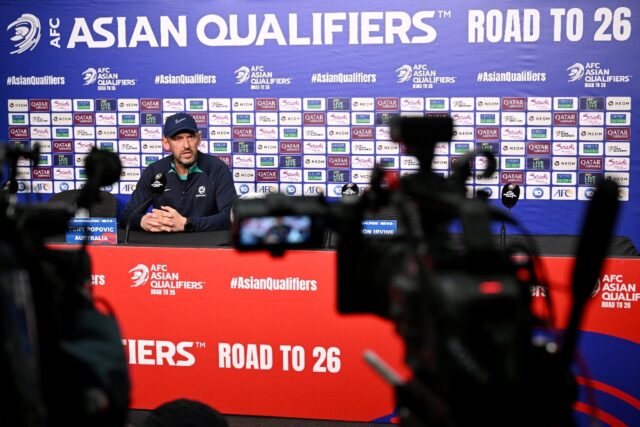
(296, 96)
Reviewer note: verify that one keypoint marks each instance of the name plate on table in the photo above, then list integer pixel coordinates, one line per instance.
(379, 227)
(97, 231)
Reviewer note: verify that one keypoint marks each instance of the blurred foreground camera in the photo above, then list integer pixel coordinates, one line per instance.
(461, 302)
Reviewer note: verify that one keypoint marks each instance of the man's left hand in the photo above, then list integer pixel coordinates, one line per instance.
(171, 218)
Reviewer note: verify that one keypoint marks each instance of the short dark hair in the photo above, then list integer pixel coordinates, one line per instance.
(185, 413)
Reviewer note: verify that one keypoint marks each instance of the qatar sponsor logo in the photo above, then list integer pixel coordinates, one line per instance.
(618, 134)
(565, 163)
(266, 104)
(151, 104)
(266, 175)
(41, 173)
(387, 104)
(244, 175)
(39, 105)
(290, 104)
(617, 149)
(512, 178)
(513, 104)
(62, 146)
(290, 147)
(591, 118)
(243, 132)
(486, 133)
(83, 119)
(565, 118)
(338, 161)
(19, 132)
(538, 178)
(412, 104)
(590, 163)
(360, 133)
(538, 148)
(617, 164)
(128, 132)
(314, 118)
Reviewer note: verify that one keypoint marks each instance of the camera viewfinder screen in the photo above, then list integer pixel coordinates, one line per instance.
(290, 230)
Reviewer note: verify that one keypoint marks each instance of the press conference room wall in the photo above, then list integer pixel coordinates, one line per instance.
(296, 96)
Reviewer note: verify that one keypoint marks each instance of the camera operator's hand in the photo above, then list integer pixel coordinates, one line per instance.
(165, 219)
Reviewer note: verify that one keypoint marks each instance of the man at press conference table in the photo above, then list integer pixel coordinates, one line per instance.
(199, 190)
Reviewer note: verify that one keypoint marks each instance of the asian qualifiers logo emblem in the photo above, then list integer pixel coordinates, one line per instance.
(27, 33)
(242, 74)
(404, 73)
(89, 75)
(139, 275)
(576, 71)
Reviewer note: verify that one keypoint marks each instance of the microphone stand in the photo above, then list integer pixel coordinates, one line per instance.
(503, 234)
(135, 212)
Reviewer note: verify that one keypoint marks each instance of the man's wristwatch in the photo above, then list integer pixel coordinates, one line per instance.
(188, 226)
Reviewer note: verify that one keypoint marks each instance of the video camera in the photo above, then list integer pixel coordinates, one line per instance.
(461, 302)
(62, 361)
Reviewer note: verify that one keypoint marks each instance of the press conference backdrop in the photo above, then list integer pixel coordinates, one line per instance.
(296, 96)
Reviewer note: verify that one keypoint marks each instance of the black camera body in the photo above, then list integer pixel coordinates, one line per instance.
(460, 302)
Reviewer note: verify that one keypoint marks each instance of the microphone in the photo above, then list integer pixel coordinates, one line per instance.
(103, 168)
(510, 196)
(592, 248)
(157, 189)
(350, 189)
